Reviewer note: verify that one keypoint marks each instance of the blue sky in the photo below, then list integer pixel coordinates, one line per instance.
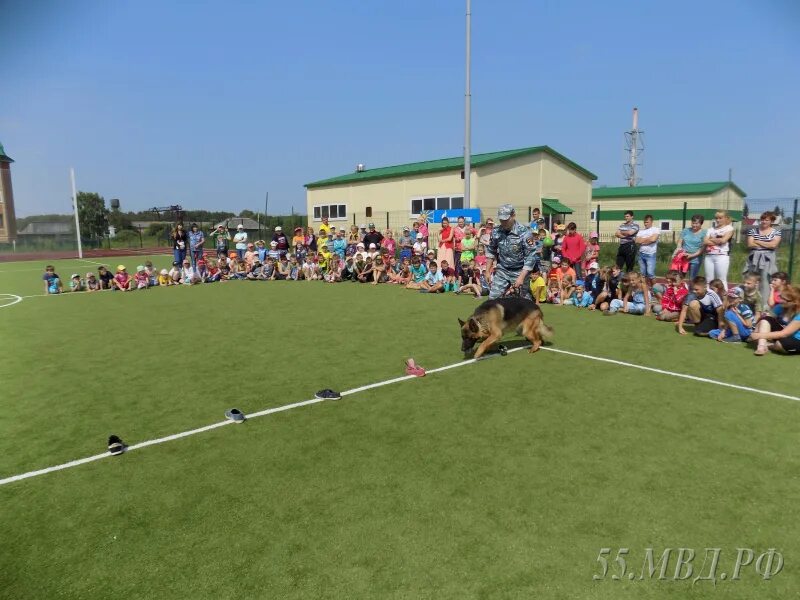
(212, 104)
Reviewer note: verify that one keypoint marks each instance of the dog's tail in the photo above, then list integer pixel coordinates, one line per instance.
(545, 331)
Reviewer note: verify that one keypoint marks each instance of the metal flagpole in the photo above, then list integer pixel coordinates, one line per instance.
(467, 116)
(75, 208)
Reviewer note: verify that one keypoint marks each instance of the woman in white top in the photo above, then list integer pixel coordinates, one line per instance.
(240, 239)
(718, 247)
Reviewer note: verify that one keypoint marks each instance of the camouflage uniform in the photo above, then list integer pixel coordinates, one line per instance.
(511, 251)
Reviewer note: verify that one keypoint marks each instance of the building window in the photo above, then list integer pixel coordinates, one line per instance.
(666, 225)
(369, 212)
(420, 205)
(335, 212)
(593, 215)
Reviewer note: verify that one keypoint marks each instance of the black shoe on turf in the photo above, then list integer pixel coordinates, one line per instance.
(115, 445)
(235, 415)
(328, 394)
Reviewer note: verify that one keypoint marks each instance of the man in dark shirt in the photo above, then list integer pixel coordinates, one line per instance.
(282, 240)
(373, 237)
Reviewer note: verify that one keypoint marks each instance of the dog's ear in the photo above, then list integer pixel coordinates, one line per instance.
(460, 322)
(474, 327)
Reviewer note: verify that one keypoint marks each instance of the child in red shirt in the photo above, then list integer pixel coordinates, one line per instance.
(672, 298)
(122, 281)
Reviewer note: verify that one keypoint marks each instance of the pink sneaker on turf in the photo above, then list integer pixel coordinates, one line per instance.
(413, 368)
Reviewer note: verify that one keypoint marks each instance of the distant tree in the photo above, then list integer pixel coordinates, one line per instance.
(158, 230)
(92, 215)
(247, 214)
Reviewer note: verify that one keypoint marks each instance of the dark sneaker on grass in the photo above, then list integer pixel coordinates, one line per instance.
(328, 394)
(115, 445)
(503, 350)
(235, 415)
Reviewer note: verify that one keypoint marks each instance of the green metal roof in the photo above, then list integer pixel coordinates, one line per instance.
(3, 156)
(672, 189)
(551, 206)
(445, 164)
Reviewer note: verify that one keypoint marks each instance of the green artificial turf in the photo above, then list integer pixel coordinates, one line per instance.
(500, 479)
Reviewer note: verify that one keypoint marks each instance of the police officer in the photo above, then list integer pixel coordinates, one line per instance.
(511, 253)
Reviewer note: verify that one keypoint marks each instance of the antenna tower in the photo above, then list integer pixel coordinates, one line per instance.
(634, 146)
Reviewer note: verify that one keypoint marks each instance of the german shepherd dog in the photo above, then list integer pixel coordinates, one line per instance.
(494, 318)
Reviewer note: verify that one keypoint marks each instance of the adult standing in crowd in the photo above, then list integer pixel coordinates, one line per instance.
(179, 242)
(197, 240)
(572, 247)
(221, 237)
(446, 243)
(647, 239)
(510, 256)
(626, 234)
(373, 237)
(762, 243)
(691, 242)
(240, 239)
(280, 238)
(485, 232)
(718, 248)
(325, 226)
(536, 214)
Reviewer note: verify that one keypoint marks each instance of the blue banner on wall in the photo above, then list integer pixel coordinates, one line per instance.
(471, 215)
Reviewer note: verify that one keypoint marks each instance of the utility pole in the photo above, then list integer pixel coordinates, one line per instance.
(634, 147)
(468, 114)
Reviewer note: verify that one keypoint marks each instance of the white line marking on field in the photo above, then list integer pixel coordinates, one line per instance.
(13, 297)
(285, 407)
(93, 262)
(743, 388)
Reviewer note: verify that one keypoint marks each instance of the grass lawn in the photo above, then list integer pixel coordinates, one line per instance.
(499, 479)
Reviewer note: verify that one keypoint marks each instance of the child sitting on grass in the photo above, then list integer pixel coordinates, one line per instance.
(214, 273)
(202, 271)
(52, 282)
(188, 273)
(152, 272)
(175, 273)
(611, 289)
(675, 291)
(106, 278)
(703, 307)
(566, 288)
(379, 274)
(141, 278)
(538, 287)
(777, 283)
(164, 278)
(76, 284)
(553, 292)
(269, 270)
(752, 296)
(92, 283)
(636, 299)
(738, 323)
(579, 297)
(418, 272)
(434, 280)
(123, 281)
(366, 272)
(448, 277)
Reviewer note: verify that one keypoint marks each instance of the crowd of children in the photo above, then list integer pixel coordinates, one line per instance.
(739, 314)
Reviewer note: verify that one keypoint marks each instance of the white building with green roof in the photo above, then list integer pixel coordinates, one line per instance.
(665, 203)
(534, 177)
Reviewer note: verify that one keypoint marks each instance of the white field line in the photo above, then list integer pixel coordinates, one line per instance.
(14, 299)
(95, 263)
(370, 386)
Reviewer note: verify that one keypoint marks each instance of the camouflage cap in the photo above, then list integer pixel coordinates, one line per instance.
(505, 211)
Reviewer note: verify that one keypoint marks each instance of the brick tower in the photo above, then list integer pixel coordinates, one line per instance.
(8, 222)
